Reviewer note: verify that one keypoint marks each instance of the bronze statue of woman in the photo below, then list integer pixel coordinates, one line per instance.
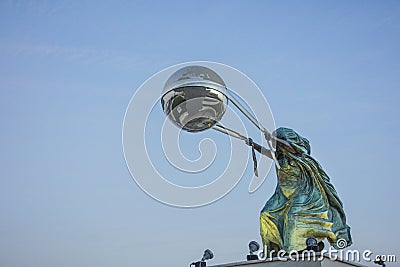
(305, 203)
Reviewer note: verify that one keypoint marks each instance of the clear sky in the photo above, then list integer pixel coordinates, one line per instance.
(329, 69)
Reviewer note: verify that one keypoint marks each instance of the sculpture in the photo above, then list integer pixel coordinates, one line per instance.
(305, 203)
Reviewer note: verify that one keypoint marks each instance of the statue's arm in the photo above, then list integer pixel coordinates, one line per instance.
(288, 146)
(260, 149)
(263, 150)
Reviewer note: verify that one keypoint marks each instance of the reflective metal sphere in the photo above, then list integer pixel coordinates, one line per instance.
(194, 98)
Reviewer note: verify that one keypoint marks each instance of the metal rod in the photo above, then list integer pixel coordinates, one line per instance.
(245, 112)
(230, 132)
(237, 135)
(273, 155)
(255, 122)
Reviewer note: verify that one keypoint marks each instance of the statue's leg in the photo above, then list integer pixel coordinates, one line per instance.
(271, 238)
(300, 226)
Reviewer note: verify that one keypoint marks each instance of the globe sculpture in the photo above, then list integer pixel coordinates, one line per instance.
(194, 98)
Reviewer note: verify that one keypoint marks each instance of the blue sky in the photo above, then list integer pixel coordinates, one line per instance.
(330, 70)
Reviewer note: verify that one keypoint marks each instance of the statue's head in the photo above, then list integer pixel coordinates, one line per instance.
(299, 143)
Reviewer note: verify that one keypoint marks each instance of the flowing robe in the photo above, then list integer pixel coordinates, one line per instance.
(305, 203)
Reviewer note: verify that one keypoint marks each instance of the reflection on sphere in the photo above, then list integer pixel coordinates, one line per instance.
(193, 98)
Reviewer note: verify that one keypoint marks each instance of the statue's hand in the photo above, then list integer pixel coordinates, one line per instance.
(267, 135)
(249, 141)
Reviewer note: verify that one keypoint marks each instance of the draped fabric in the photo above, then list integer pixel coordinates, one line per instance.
(305, 203)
